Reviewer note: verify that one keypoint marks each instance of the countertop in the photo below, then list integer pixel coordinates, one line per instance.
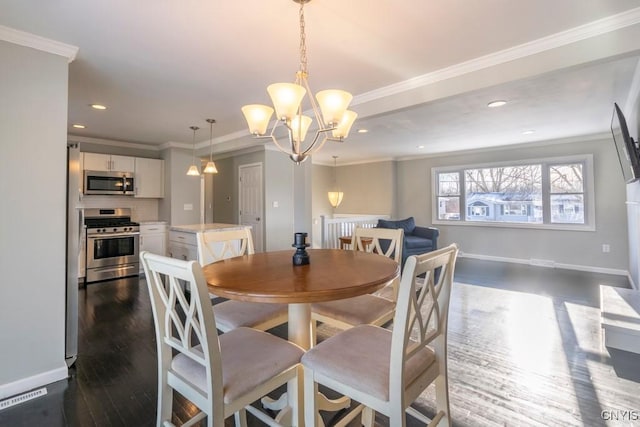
(153, 222)
(200, 228)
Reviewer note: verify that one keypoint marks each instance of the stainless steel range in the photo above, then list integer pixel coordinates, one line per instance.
(112, 244)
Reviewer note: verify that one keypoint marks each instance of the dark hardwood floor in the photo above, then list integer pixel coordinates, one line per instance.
(524, 350)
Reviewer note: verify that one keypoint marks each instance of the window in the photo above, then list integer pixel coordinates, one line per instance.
(547, 193)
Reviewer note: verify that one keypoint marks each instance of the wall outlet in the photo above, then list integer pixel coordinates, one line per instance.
(276, 204)
(188, 207)
(606, 248)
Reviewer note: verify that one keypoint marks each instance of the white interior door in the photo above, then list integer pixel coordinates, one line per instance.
(250, 201)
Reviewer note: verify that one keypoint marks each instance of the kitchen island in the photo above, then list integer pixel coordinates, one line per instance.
(182, 238)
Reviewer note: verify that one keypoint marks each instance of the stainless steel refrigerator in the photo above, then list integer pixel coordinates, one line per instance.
(75, 222)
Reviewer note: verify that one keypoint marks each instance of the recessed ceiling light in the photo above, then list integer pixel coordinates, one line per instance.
(77, 126)
(420, 146)
(528, 132)
(98, 107)
(498, 103)
(363, 130)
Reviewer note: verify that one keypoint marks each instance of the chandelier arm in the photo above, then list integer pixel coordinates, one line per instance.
(311, 149)
(324, 140)
(314, 104)
(280, 147)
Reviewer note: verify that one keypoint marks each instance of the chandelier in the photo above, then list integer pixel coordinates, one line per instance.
(333, 120)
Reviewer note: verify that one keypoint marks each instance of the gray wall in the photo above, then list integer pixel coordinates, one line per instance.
(322, 183)
(224, 186)
(279, 222)
(180, 189)
(368, 188)
(578, 248)
(33, 135)
(302, 189)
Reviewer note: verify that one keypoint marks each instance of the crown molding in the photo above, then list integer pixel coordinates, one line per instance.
(573, 35)
(23, 38)
(568, 140)
(109, 142)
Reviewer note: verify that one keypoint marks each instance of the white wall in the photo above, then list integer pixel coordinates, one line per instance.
(632, 115)
(33, 139)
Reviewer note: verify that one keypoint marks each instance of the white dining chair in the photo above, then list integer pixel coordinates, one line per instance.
(220, 374)
(374, 309)
(216, 246)
(387, 370)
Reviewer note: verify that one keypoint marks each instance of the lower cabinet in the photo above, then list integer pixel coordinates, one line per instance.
(153, 238)
(183, 246)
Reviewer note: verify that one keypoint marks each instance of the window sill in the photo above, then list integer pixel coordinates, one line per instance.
(560, 227)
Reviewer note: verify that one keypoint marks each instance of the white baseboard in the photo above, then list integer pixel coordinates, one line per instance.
(29, 383)
(547, 264)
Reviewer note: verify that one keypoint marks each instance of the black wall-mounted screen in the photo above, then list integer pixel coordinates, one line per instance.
(628, 152)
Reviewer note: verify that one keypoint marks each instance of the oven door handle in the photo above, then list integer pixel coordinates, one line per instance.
(107, 235)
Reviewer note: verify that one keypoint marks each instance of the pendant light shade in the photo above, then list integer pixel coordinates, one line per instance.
(193, 169)
(335, 196)
(211, 166)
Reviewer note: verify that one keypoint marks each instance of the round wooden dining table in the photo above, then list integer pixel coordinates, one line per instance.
(271, 277)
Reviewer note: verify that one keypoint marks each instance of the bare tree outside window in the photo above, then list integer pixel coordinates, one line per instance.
(567, 193)
(504, 188)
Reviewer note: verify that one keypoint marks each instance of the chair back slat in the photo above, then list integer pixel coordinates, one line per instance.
(385, 241)
(183, 322)
(422, 309)
(214, 246)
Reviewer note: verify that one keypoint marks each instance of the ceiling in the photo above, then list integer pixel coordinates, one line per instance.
(421, 75)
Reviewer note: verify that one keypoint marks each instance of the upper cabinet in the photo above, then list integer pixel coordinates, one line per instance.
(149, 177)
(148, 173)
(108, 162)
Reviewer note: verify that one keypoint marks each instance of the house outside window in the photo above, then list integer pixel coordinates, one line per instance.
(539, 193)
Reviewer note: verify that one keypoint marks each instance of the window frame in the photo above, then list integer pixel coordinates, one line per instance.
(588, 193)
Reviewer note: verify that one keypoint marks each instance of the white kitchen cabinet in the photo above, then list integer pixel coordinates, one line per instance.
(183, 245)
(149, 177)
(108, 162)
(153, 238)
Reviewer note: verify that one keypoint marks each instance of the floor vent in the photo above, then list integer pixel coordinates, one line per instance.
(24, 397)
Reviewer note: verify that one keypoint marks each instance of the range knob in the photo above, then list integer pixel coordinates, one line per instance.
(115, 229)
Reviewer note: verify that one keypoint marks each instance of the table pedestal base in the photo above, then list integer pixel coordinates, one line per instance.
(300, 329)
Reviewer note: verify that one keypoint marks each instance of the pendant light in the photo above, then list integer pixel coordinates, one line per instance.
(211, 166)
(193, 169)
(335, 196)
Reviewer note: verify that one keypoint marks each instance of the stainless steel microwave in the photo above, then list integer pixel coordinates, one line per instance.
(109, 183)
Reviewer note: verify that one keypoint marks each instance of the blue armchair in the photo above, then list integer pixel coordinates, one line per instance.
(417, 240)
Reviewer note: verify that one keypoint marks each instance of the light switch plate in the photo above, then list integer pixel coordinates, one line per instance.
(188, 207)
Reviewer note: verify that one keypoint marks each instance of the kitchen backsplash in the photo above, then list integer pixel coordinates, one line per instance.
(141, 209)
